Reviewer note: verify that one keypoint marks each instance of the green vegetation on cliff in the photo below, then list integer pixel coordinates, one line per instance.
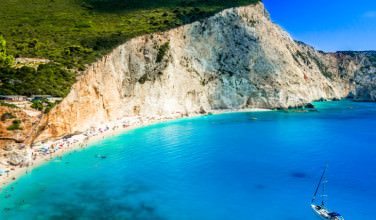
(73, 33)
(6, 116)
(15, 125)
(5, 59)
(49, 78)
(37, 105)
(2, 103)
(77, 32)
(162, 52)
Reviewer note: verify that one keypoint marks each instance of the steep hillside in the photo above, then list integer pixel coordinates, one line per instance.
(365, 76)
(71, 34)
(77, 32)
(235, 59)
(15, 126)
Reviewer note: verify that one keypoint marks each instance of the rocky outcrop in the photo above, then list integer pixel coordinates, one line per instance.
(235, 59)
(10, 139)
(12, 142)
(15, 158)
(364, 77)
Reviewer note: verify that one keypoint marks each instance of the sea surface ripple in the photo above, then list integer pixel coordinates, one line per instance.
(216, 167)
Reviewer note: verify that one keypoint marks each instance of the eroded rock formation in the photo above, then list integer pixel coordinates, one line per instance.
(12, 141)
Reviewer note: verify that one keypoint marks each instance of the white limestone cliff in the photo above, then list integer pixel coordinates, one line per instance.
(236, 59)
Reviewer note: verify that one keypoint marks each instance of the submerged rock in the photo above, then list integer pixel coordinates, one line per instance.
(298, 175)
(299, 111)
(310, 105)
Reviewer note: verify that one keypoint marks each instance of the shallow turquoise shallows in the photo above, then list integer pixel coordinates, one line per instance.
(219, 167)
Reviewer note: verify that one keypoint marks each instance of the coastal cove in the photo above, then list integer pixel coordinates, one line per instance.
(187, 110)
(228, 166)
(62, 146)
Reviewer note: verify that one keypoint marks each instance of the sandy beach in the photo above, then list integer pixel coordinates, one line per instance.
(89, 137)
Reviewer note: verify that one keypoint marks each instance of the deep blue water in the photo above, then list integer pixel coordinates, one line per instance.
(217, 167)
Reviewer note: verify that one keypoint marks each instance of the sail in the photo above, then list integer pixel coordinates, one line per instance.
(318, 186)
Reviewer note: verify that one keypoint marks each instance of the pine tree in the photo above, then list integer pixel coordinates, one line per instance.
(5, 60)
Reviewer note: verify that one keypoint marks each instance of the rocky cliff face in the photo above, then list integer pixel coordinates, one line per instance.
(235, 59)
(12, 141)
(17, 136)
(364, 76)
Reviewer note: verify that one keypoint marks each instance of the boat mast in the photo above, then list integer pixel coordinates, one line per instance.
(323, 187)
(318, 186)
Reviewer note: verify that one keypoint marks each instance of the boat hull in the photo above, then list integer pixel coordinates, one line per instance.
(322, 213)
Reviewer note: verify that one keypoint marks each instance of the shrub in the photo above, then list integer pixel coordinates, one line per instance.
(8, 105)
(323, 69)
(50, 105)
(37, 105)
(15, 125)
(5, 60)
(47, 79)
(143, 79)
(6, 116)
(162, 52)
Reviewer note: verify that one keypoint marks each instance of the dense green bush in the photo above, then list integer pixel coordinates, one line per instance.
(5, 60)
(8, 105)
(15, 125)
(50, 105)
(47, 79)
(37, 105)
(162, 52)
(6, 116)
(372, 58)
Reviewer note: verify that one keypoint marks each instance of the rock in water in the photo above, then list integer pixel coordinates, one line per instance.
(310, 105)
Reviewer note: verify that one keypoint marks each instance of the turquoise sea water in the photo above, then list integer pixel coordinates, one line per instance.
(217, 167)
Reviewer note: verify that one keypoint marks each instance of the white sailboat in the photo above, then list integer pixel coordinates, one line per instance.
(320, 210)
